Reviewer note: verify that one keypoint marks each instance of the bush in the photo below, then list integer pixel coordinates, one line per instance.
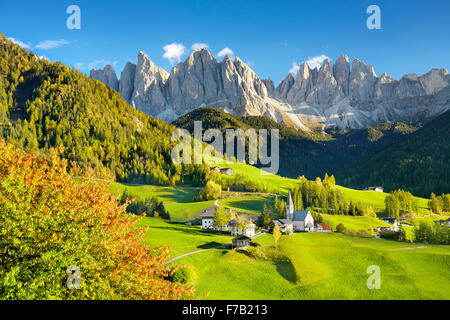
(391, 235)
(211, 191)
(256, 252)
(341, 228)
(185, 274)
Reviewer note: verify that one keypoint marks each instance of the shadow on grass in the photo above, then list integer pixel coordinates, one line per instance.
(216, 245)
(180, 195)
(191, 230)
(250, 205)
(286, 269)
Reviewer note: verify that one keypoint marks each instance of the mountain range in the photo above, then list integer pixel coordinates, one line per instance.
(343, 95)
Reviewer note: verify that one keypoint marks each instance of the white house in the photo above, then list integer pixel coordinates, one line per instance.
(392, 221)
(248, 231)
(376, 189)
(299, 221)
(207, 220)
(286, 226)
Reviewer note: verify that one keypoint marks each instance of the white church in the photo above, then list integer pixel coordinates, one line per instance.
(296, 221)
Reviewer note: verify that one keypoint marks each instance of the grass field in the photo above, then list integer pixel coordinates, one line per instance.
(178, 200)
(353, 223)
(284, 185)
(307, 265)
(325, 266)
(181, 238)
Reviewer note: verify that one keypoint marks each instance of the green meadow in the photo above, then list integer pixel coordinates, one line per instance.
(306, 265)
(179, 200)
(284, 185)
(353, 224)
(179, 237)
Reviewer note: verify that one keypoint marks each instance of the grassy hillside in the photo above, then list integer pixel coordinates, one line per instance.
(420, 164)
(179, 200)
(181, 238)
(353, 224)
(325, 266)
(283, 185)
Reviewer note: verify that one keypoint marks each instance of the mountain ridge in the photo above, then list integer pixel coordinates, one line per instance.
(339, 95)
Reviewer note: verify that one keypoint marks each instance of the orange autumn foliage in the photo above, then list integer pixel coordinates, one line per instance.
(49, 222)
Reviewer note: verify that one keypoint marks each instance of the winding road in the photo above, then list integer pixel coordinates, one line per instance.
(218, 247)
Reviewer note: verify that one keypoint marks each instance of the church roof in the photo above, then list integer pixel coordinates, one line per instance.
(300, 215)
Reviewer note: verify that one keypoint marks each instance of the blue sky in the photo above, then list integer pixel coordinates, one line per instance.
(268, 35)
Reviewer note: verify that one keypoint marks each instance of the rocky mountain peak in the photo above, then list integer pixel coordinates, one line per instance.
(336, 94)
(107, 75)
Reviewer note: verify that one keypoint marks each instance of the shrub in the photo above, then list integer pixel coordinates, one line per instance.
(211, 191)
(185, 274)
(256, 252)
(340, 228)
(392, 235)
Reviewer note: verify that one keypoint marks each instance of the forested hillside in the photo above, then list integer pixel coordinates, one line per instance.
(301, 153)
(419, 164)
(45, 105)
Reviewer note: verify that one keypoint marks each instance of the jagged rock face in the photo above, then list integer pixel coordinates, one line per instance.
(355, 98)
(269, 86)
(333, 95)
(435, 80)
(361, 81)
(285, 86)
(126, 84)
(341, 72)
(107, 76)
(148, 95)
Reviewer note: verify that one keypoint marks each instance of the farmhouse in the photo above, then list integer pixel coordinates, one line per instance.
(299, 221)
(286, 226)
(377, 189)
(237, 228)
(240, 224)
(215, 169)
(444, 222)
(392, 221)
(227, 171)
(241, 242)
(207, 220)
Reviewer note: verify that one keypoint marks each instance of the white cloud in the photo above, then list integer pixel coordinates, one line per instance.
(79, 65)
(316, 62)
(51, 44)
(313, 62)
(295, 68)
(173, 52)
(98, 64)
(225, 52)
(199, 45)
(20, 43)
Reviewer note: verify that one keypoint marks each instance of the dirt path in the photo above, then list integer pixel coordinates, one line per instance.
(409, 248)
(194, 252)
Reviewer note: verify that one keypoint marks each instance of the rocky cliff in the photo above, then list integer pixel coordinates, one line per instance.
(335, 95)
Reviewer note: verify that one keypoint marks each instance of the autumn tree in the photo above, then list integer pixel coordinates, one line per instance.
(221, 218)
(276, 233)
(211, 191)
(54, 228)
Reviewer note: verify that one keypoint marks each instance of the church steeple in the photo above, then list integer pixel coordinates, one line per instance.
(289, 208)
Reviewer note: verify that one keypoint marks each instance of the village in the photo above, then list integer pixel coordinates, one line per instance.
(244, 228)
